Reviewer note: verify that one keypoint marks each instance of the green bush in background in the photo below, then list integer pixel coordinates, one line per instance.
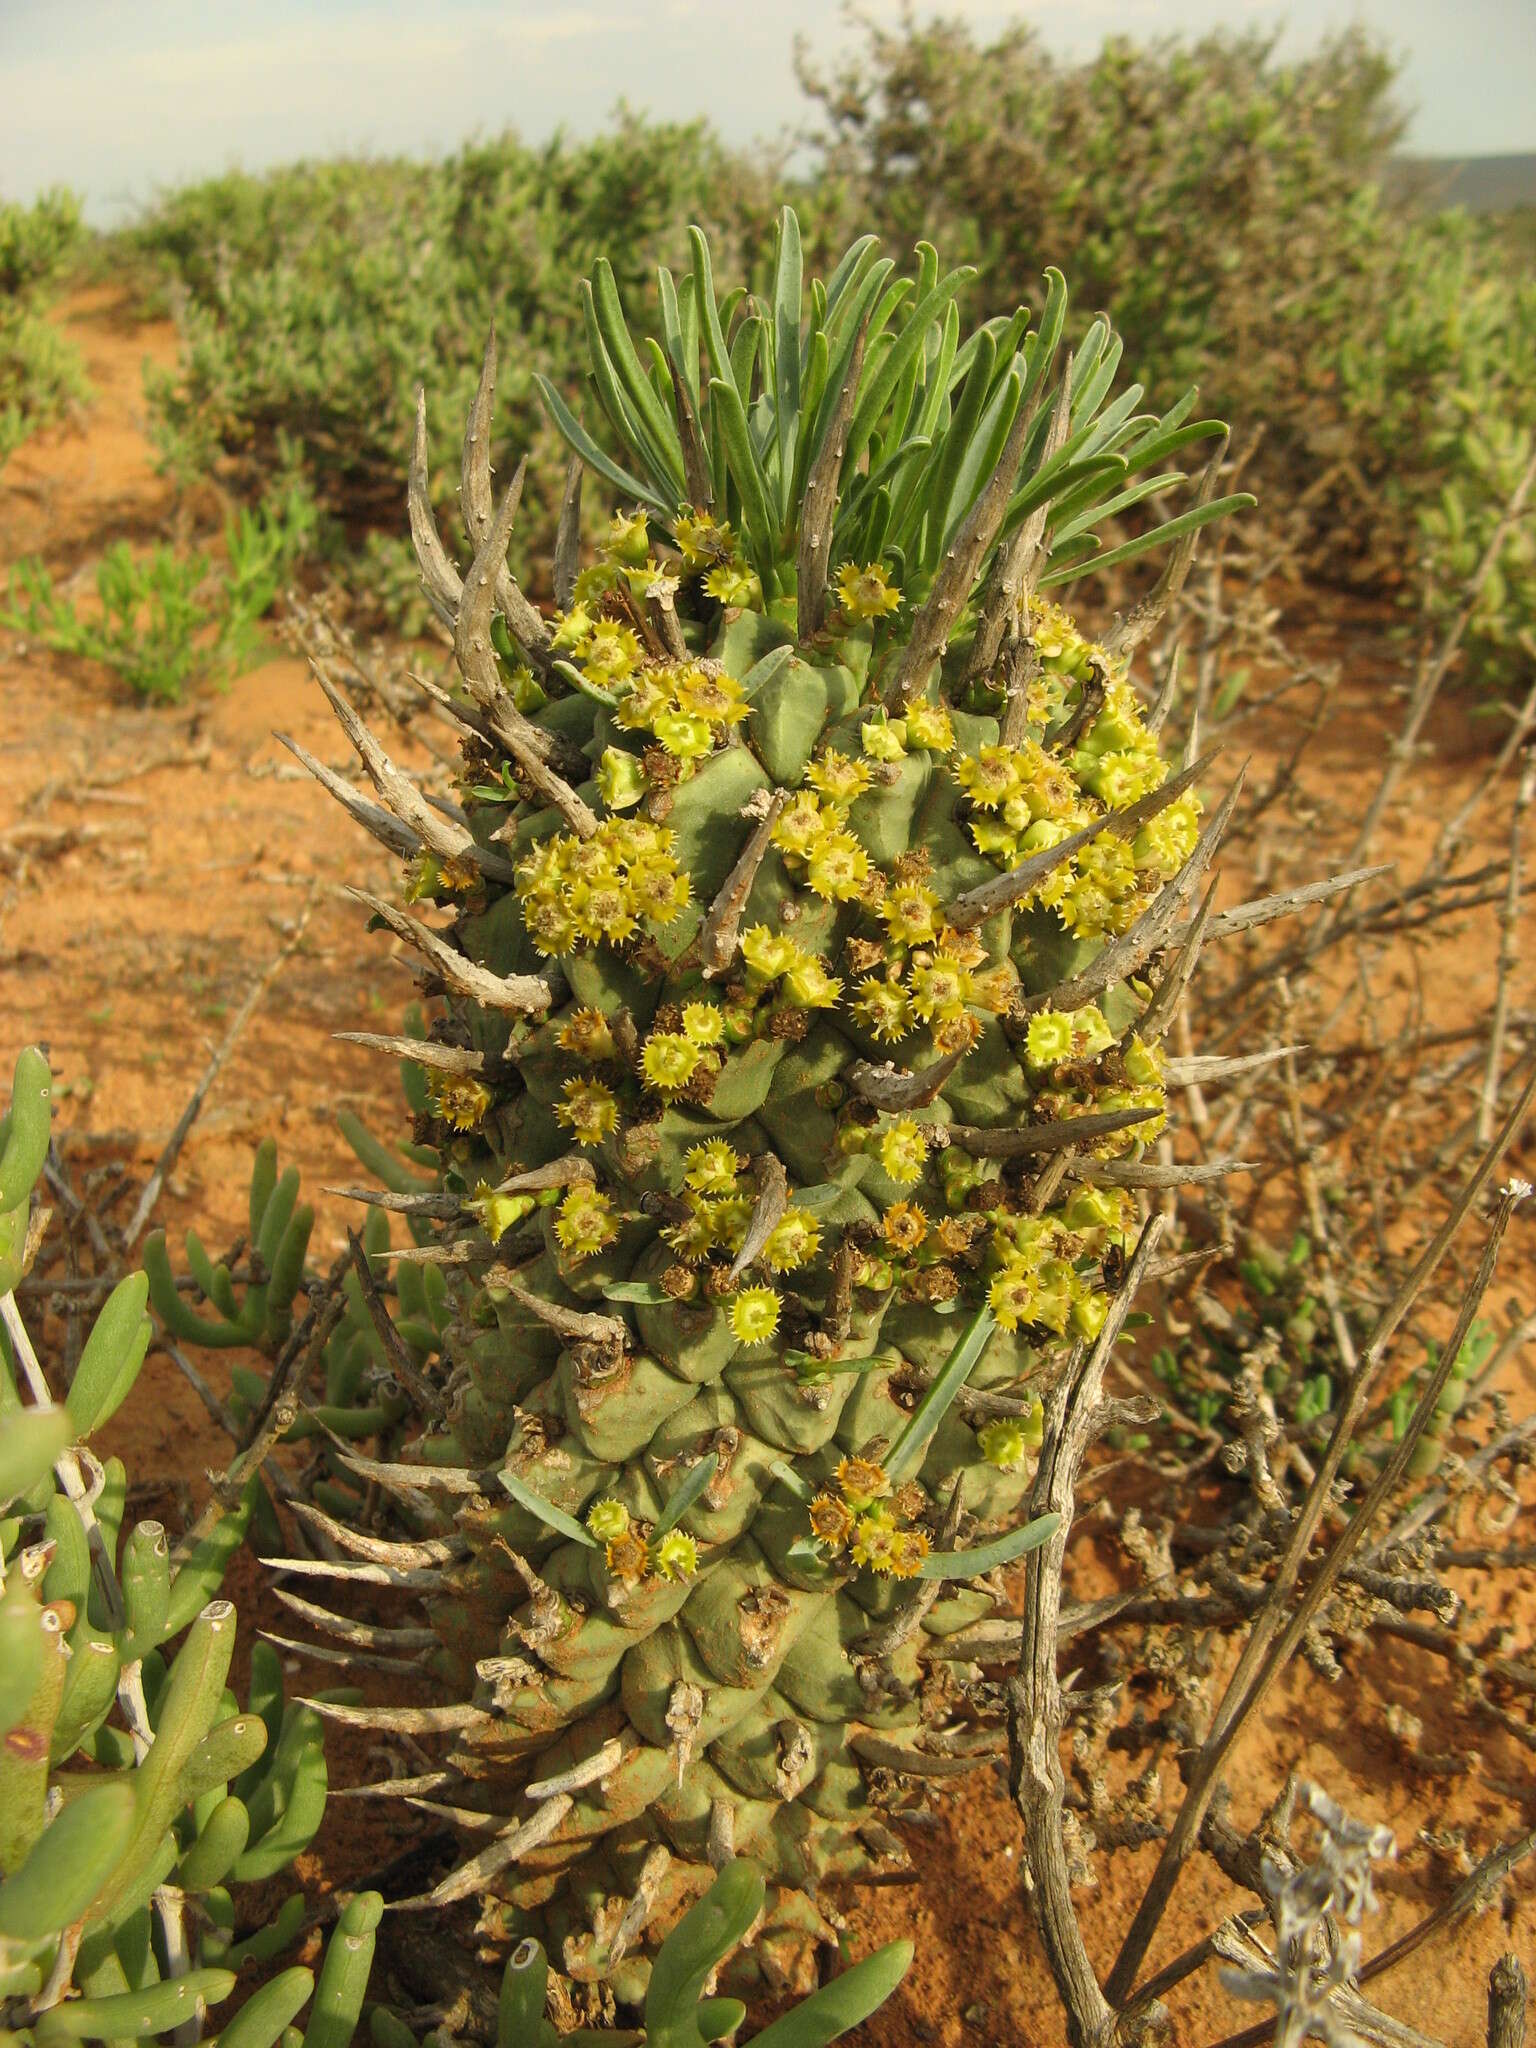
(313, 302)
(1233, 214)
(40, 373)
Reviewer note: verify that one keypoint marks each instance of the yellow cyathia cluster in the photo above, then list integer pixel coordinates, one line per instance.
(432, 874)
(802, 978)
(897, 1142)
(577, 892)
(812, 833)
(864, 1519)
(631, 1554)
(719, 1213)
(1036, 1280)
(459, 1099)
(1027, 799)
(1058, 1036)
(588, 1109)
(1007, 1441)
(710, 550)
(1044, 1268)
(866, 593)
(914, 1254)
(1132, 1079)
(672, 1059)
(926, 728)
(689, 706)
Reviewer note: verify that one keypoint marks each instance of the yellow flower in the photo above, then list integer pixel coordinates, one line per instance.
(703, 1023)
(831, 1520)
(884, 739)
(861, 1481)
(657, 891)
(1013, 1297)
(607, 1520)
(611, 652)
(711, 1168)
(571, 628)
(589, 1110)
(767, 952)
(459, 1099)
(794, 1240)
(905, 1554)
(866, 593)
(620, 779)
(989, 777)
(669, 1061)
(800, 825)
(929, 727)
(627, 539)
(836, 866)
(1002, 1444)
(702, 540)
(627, 1557)
(585, 1033)
(685, 735)
(810, 985)
(903, 1152)
(755, 1314)
(910, 913)
(733, 583)
(585, 1223)
(940, 987)
(904, 1226)
(675, 1555)
(883, 1009)
(838, 778)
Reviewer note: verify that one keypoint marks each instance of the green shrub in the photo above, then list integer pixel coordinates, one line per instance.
(166, 619)
(1227, 210)
(315, 301)
(40, 373)
(1221, 207)
(1442, 390)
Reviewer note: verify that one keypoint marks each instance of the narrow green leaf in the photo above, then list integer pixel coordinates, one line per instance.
(907, 1452)
(582, 443)
(790, 1478)
(546, 1511)
(682, 1498)
(1173, 529)
(788, 280)
(970, 1564)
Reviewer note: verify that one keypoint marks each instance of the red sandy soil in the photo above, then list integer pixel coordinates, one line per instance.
(152, 861)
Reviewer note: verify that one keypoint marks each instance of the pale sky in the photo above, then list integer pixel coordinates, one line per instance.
(116, 97)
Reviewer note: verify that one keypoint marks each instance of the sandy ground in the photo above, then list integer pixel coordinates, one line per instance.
(153, 861)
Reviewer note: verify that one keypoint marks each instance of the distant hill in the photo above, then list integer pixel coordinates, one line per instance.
(1482, 184)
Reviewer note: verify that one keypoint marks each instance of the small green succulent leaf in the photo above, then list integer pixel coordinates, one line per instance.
(343, 1979)
(844, 2003)
(68, 1865)
(29, 1444)
(520, 2008)
(699, 1942)
(155, 2010)
(261, 2020)
(28, 1123)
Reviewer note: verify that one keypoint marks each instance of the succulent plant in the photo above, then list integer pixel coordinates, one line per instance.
(134, 1790)
(791, 1060)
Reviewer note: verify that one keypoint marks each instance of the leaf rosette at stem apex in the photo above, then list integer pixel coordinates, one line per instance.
(795, 945)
